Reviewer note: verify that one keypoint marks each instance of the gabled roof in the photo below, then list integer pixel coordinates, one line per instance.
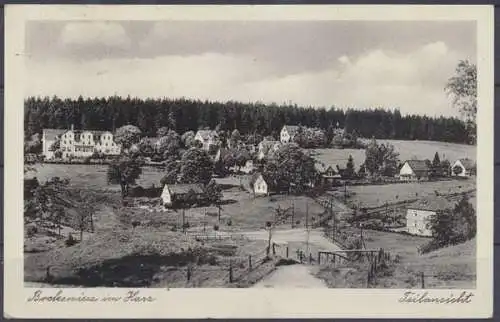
(418, 165)
(268, 144)
(253, 178)
(433, 204)
(207, 134)
(468, 164)
(185, 188)
(52, 134)
(291, 129)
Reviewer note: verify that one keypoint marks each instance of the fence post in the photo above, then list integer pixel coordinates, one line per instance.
(230, 271)
(310, 258)
(286, 251)
(319, 258)
(250, 262)
(188, 273)
(422, 276)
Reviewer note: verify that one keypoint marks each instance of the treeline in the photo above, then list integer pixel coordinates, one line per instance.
(266, 119)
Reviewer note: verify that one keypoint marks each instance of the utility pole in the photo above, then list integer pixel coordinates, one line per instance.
(183, 220)
(307, 228)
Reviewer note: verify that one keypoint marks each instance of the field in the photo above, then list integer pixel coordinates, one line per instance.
(406, 149)
(91, 176)
(376, 195)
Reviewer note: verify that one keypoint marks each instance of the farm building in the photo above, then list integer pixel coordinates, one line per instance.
(414, 170)
(418, 215)
(256, 184)
(288, 133)
(207, 138)
(182, 193)
(78, 143)
(463, 168)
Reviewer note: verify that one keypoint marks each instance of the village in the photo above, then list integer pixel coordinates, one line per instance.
(257, 197)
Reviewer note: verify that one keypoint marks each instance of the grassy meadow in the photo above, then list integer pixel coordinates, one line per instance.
(407, 150)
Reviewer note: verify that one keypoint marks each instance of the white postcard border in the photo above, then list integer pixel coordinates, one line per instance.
(242, 303)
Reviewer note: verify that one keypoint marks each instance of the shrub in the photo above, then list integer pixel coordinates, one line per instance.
(70, 241)
(31, 230)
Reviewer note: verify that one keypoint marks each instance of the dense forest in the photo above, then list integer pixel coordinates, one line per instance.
(266, 119)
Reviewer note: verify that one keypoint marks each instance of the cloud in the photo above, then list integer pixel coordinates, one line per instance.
(412, 81)
(110, 34)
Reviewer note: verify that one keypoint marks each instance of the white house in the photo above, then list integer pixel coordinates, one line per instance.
(77, 143)
(288, 133)
(257, 185)
(180, 192)
(207, 138)
(419, 214)
(467, 166)
(413, 170)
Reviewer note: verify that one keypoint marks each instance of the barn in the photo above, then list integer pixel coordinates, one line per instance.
(173, 194)
(463, 168)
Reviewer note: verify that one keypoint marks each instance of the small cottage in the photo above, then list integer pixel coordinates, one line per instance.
(256, 184)
(418, 215)
(288, 133)
(463, 168)
(173, 194)
(207, 138)
(414, 170)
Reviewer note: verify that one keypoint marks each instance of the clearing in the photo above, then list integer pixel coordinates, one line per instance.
(369, 196)
(407, 150)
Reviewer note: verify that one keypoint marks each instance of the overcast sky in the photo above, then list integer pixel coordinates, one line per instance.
(356, 64)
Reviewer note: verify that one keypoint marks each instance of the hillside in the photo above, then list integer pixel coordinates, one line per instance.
(407, 150)
(450, 267)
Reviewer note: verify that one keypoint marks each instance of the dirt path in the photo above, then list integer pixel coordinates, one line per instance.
(316, 237)
(296, 276)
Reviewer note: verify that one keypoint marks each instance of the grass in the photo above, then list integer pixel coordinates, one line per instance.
(246, 213)
(406, 149)
(91, 176)
(140, 258)
(450, 267)
(376, 195)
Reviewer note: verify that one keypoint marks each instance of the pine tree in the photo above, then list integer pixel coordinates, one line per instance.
(349, 170)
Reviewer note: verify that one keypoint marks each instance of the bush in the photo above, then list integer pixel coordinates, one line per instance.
(31, 230)
(70, 241)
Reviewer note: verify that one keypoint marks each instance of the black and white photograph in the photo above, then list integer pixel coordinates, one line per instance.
(254, 154)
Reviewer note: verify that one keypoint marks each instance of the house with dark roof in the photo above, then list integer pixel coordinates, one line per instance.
(173, 194)
(288, 133)
(207, 138)
(463, 168)
(418, 215)
(414, 170)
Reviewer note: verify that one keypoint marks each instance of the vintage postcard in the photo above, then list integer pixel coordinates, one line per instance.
(248, 161)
